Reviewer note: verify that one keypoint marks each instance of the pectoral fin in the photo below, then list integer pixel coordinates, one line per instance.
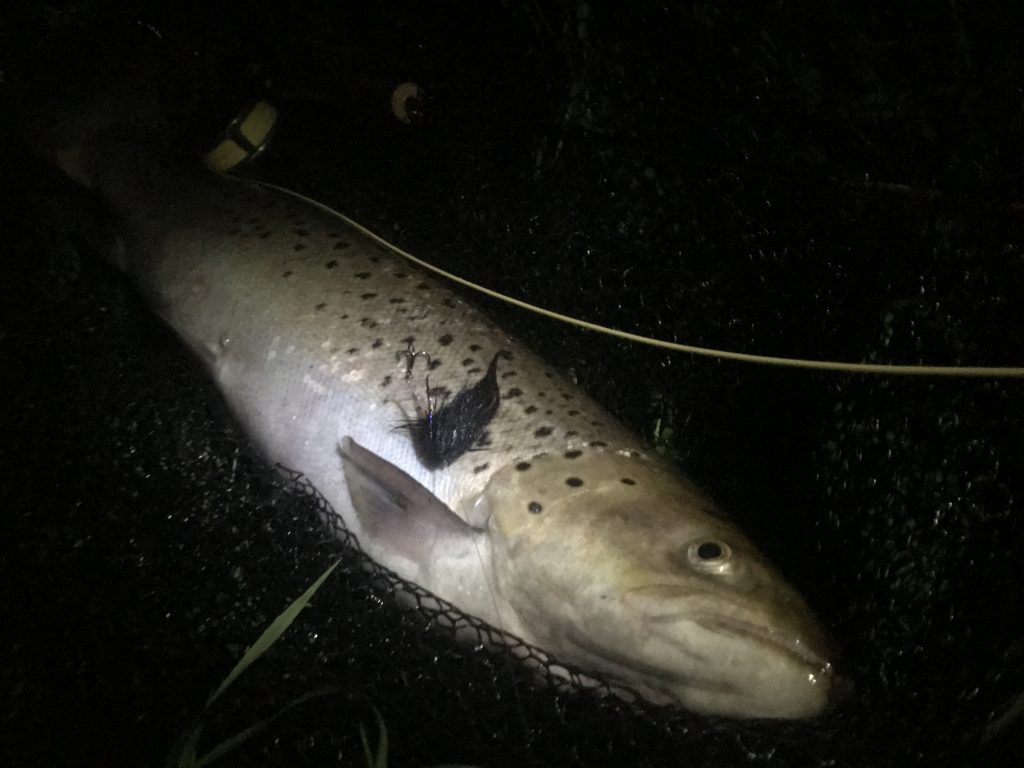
(395, 510)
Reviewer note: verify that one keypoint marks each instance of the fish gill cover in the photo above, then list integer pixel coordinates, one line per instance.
(804, 181)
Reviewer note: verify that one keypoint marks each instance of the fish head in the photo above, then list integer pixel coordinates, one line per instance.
(616, 561)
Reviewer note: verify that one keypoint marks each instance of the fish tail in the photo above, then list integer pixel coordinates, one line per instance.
(71, 134)
(69, 113)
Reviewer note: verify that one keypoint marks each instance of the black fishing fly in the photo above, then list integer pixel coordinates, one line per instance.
(450, 428)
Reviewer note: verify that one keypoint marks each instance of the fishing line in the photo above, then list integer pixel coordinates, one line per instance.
(722, 354)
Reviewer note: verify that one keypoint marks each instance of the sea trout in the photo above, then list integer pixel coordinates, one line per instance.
(457, 457)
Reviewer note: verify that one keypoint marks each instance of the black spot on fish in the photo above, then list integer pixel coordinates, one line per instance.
(473, 370)
(573, 482)
(571, 433)
(396, 300)
(320, 306)
(351, 350)
(400, 275)
(508, 374)
(299, 247)
(422, 287)
(445, 340)
(522, 466)
(542, 432)
(434, 364)
(548, 412)
(514, 392)
(377, 343)
(448, 302)
(450, 428)
(480, 468)
(574, 413)
(331, 264)
(628, 481)
(341, 245)
(386, 382)
(366, 322)
(530, 409)
(549, 374)
(474, 347)
(534, 508)
(467, 361)
(362, 275)
(287, 273)
(573, 454)
(365, 296)
(598, 443)
(375, 259)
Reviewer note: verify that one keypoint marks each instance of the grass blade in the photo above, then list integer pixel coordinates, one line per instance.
(241, 737)
(380, 760)
(271, 634)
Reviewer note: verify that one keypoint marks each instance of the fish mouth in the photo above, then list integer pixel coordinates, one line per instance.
(799, 639)
(624, 669)
(811, 649)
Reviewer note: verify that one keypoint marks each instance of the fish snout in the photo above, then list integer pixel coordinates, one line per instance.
(806, 643)
(818, 649)
(788, 664)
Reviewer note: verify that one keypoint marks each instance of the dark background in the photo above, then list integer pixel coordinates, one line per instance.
(803, 180)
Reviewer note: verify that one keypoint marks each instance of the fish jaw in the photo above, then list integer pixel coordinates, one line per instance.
(618, 578)
(732, 659)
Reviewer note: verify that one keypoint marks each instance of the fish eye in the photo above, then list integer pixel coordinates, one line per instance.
(710, 556)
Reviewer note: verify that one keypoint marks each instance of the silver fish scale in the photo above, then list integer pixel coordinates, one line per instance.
(350, 319)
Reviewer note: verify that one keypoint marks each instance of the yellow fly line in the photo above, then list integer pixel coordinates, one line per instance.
(723, 354)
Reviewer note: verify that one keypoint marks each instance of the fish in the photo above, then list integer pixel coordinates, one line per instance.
(458, 458)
